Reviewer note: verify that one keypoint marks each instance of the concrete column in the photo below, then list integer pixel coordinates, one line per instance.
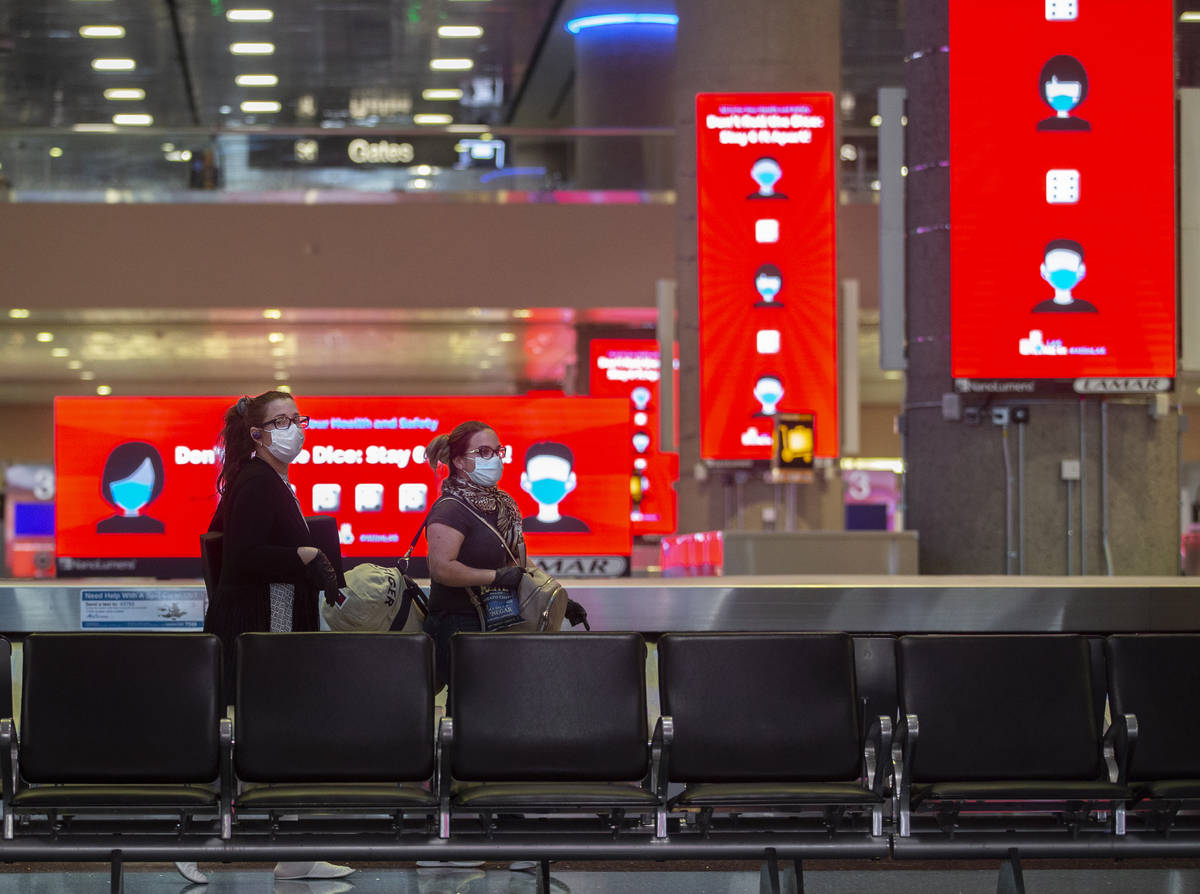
(992, 500)
(749, 45)
(623, 78)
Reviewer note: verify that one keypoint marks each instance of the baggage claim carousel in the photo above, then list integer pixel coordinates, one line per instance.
(854, 604)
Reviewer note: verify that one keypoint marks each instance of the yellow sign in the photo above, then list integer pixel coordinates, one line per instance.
(792, 445)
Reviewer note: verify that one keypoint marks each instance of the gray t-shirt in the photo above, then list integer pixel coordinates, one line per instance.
(481, 548)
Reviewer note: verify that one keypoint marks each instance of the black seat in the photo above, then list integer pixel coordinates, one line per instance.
(546, 723)
(118, 723)
(770, 723)
(335, 722)
(1000, 724)
(1154, 691)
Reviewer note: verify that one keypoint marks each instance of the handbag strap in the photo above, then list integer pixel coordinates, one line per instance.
(490, 526)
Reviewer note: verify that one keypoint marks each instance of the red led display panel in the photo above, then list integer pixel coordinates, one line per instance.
(629, 368)
(1062, 189)
(768, 293)
(137, 476)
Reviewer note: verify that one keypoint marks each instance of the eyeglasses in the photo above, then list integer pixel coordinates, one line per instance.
(283, 423)
(486, 452)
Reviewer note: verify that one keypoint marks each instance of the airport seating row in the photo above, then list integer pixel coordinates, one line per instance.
(771, 747)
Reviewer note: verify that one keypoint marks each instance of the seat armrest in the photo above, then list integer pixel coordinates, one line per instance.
(441, 784)
(225, 734)
(1119, 743)
(10, 768)
(877, 751)
(903, 747)
(660, 770)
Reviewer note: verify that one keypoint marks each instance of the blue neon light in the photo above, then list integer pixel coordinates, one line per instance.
(512, 172)
(622, 18)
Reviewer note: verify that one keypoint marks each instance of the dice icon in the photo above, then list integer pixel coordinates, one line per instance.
(1062, 186)
(1062, 10)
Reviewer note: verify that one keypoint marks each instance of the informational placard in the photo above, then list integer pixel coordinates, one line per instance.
(768, 294)
(137, 476)
(1062, 189)
(792, 448)
(179, 608)
(630, 368)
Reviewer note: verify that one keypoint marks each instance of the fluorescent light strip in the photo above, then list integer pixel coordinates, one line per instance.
(249, 15)
(432, 119)
(120, 93)
(1189, 16)
(433, 94)
(261, 106)
(252, 49)
(459, 31)
(101, 31)
(622, 18)
(133, 120)
(113, 64)
(262, 80)
(94, 128)
(451, 64)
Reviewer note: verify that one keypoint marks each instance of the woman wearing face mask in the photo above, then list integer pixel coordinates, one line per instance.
(463, 551)
(271, 572)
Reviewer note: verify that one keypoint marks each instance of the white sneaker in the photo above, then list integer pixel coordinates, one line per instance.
(449, 864)
(522, 865)
(319, 869)
(190, 872)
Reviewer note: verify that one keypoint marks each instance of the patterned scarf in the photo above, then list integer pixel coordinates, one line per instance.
(489, 499)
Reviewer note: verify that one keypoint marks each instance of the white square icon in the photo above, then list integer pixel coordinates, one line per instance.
(413, 497)
(1062, 10)
(326, 497)
(766, 230)
(368, 497)
(767, 341)
(1062, 186)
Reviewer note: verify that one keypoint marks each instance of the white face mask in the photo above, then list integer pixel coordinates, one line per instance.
(285, 445)
(487, 472)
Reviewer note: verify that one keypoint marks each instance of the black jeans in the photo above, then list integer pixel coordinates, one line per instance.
(441, 626)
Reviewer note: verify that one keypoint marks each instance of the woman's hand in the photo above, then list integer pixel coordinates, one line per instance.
(307, 553)
(508, 578)
(320, 574)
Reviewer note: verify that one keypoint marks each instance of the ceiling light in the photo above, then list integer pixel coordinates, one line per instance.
(56, 152)
(432, 119)
(249, 15)
(451, 64)
(60, 352)
(275, 337)
(876, 120)
(1189, 17)
(286, 389)
(281, 375)
(113, 64)
(94, 128)
(272, 313)
(45, 337)
(19, 313)
(118, 93)
(252, 49)
(75, 364)
(433, 94)
(101, 31)
(622, 18)
(422, 170)
(265, 105)
(134, 120)
(508, 336)
(459, 31)
(467, 128)
(263, 80)
(87, 375)
(522, 313)
(419, 183)
(103, 390)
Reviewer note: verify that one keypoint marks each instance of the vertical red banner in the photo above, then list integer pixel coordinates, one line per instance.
(768, 289)
(1062, 189)
(630, 368)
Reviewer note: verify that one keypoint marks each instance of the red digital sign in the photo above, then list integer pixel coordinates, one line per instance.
(1062, 189)
(137, 476)
(768, 291)
(630, 368)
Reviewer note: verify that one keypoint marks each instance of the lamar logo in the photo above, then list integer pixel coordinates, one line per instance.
(1122, 386)
(584, 566)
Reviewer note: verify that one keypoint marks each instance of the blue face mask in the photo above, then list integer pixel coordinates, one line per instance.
(1062, 102)
(130, 495)
(548, 491)
(1064, 279)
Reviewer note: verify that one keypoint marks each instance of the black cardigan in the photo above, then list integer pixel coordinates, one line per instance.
(262, 528)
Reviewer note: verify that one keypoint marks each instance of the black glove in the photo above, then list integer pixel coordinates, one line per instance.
(508, 578)
(320, 576)
(577, 614)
